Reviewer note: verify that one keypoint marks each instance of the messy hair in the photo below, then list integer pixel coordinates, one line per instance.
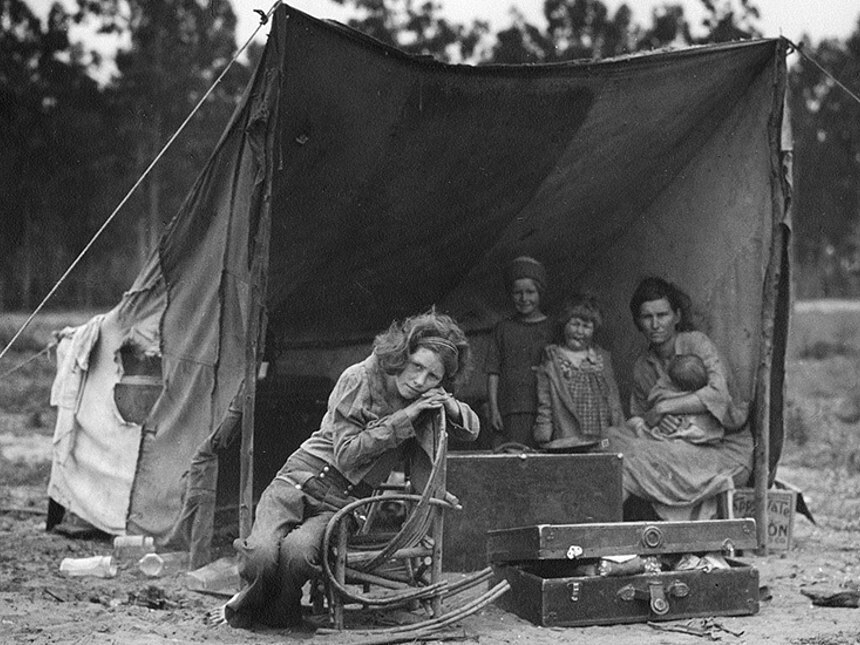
(434, 331)
(653, 288)
(583, 306)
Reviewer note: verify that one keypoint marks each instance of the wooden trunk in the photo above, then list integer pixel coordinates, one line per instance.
(501, 491)
(552, 570)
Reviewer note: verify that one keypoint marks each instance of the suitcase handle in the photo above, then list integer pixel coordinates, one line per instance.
(655, 594)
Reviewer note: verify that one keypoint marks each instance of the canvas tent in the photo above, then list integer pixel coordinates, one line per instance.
(356, 184)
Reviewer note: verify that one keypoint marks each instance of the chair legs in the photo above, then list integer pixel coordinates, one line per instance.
(340, 575)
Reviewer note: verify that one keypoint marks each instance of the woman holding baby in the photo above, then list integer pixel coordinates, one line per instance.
(686, 440)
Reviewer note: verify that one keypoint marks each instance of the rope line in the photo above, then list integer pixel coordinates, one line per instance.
(800, 50)
(264, 18)
(29, 360)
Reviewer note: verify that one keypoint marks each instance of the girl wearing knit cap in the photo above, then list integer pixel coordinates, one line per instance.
(515, 353)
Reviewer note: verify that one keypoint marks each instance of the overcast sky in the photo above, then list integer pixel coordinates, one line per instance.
(819, 19)
(790, 18)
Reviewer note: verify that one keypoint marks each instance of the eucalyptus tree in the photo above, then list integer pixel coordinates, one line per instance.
(175, 50)
(826, 209)
(52, 118)
(416, 28)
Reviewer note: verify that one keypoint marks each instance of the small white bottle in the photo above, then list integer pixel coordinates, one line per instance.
(162, 564)
(132, 547)
(99, 566)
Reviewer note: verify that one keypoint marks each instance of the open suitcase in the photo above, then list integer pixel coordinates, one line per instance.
(553, 571)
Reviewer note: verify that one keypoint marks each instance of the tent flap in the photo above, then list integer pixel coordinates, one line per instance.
(393, 183)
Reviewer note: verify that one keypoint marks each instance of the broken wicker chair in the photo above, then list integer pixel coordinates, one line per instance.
(398, 569)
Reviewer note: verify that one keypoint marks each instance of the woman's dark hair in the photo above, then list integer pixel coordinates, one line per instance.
(434, 331)
(583, 306)
(653, 288)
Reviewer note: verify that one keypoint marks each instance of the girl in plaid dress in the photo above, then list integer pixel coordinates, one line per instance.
(577, 393)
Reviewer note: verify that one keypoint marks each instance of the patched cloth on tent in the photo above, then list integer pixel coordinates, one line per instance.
(372, 184)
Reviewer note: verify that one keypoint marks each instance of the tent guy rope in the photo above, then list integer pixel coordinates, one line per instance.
(264, 18)
(47, 349)
(800, 50)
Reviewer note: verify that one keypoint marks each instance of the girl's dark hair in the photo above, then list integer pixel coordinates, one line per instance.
(434, 331)
(653, 288)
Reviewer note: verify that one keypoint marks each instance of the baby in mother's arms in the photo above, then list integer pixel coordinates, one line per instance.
(685, 374)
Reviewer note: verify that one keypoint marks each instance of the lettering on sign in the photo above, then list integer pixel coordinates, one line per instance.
(780, 513)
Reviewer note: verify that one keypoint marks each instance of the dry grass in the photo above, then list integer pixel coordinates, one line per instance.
(24, 473)
(25, 391)
(822, 413)
(26, 380)
(39, 332)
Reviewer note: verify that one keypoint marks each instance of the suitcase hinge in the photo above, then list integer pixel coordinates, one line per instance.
(655, 594)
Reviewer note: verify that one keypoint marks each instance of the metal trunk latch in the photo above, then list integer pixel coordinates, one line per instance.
(573, 552)
(655, 594)
(574, 588)
(658, 602)
(652, 536)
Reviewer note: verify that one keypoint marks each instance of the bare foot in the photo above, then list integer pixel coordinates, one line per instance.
(217, 616)
(225, 615)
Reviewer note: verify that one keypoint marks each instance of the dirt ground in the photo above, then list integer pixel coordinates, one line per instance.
(39, 605)
(822, 458)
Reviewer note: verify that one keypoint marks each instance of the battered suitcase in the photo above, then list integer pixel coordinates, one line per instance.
(506, 490)
(552, 572)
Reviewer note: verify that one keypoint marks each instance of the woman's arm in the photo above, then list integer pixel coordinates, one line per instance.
(493, 401)
(493, 368)
(676, 405)
(542, 430)
(358, 435)
(715, 396)
(463, 422)
(683, 404)
(468, 426)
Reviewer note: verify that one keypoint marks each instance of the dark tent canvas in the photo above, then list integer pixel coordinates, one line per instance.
(356, 185)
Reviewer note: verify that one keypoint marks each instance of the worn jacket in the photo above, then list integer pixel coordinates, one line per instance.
(556, 416)
(365, 432)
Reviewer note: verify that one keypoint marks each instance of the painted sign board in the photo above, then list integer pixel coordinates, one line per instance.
(780, 514)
